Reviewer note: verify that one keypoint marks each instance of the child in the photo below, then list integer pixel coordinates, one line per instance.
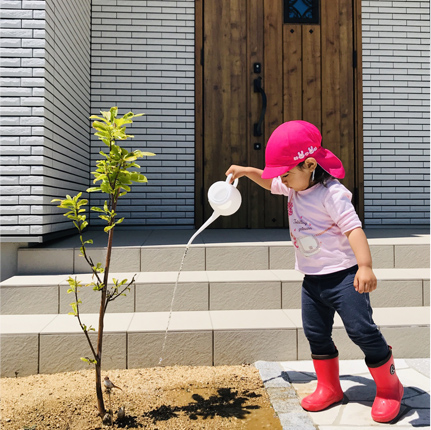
(332, 252)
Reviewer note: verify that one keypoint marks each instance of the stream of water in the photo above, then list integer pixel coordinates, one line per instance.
(211, 219)
(172, 303)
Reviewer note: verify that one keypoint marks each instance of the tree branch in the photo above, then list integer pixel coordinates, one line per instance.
(80, 322)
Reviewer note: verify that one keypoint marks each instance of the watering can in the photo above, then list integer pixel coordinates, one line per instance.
(224, 198)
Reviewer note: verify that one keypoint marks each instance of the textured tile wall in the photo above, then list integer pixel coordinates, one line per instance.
(395, 41)
(45, 91)
(142, 59)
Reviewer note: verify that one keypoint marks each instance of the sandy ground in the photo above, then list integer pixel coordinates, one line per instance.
(225, 397)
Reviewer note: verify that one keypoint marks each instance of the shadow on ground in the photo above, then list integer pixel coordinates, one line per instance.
(226, 403)
(415, 402)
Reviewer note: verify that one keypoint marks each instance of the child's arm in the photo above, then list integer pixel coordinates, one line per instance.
(365, 280)
(251, 173)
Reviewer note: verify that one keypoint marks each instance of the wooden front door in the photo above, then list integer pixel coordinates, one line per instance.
(248, 55)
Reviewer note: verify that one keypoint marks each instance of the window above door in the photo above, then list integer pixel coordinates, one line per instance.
(301, 11)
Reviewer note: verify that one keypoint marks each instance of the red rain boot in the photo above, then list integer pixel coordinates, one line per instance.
(389, 393)
(328, 389)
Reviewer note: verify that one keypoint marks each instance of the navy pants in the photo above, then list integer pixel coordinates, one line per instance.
(322, 296)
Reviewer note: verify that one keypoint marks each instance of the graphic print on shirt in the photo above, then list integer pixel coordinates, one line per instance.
(307, 244)
(290, 208)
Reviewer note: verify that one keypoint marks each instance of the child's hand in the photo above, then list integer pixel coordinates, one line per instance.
(365, 280)
(236, 171)
(250, 172)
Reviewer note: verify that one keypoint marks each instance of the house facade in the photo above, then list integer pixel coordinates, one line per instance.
(63, 61)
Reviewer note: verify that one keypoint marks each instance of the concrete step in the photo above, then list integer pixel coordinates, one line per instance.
(241, 251)
(51, 343)
(199, 291)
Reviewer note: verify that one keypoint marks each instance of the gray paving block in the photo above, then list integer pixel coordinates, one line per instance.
(383, 256)
(272, 373)
(19, 355)
(408, 342)
(123, 259)
(237, 258)
(184, 348)
(281, 257)
(62, 352)
(91, 299)
(157, 297)
(291, 295)
(19, 300)
(232, 347)
(395, 293)
(245, 295)
(284, 399)
(417, 256)
(44, 261)
(426, 292)
(296, 421)
(168, 258)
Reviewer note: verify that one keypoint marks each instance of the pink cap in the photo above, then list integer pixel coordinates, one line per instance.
(293, 142)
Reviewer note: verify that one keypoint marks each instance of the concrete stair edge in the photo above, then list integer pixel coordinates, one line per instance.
(200, 291)
(54, 343)
(237, 256)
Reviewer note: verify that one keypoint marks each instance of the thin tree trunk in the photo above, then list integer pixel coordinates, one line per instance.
(100, 402)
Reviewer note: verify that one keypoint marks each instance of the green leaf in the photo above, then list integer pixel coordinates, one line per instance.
(107, 228)
(75, 308)
(113, 111)
(98, 117)
(128, 115)
(89, 360)
(106, 115)
(93, 189)
(100, 126)
(141, 154)
(102, 135)
(97, 209)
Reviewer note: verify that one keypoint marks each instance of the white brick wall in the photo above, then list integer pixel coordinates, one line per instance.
(395, 41)
(45, 95)
(143, 60)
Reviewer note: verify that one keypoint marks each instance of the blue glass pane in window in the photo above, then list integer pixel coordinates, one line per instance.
(299, 8)
(301, 11)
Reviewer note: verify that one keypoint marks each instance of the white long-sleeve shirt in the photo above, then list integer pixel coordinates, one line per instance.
(319, 217)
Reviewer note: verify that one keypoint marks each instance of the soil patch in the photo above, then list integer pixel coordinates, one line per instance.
(180, 397)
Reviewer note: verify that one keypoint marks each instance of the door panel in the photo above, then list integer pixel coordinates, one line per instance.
(225, 97)
(273, 84)
(307, 73)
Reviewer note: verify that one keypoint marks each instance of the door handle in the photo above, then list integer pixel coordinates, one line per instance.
(257, 129)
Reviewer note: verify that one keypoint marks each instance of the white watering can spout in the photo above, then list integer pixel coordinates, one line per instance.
(224, 198)
(211, 219)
